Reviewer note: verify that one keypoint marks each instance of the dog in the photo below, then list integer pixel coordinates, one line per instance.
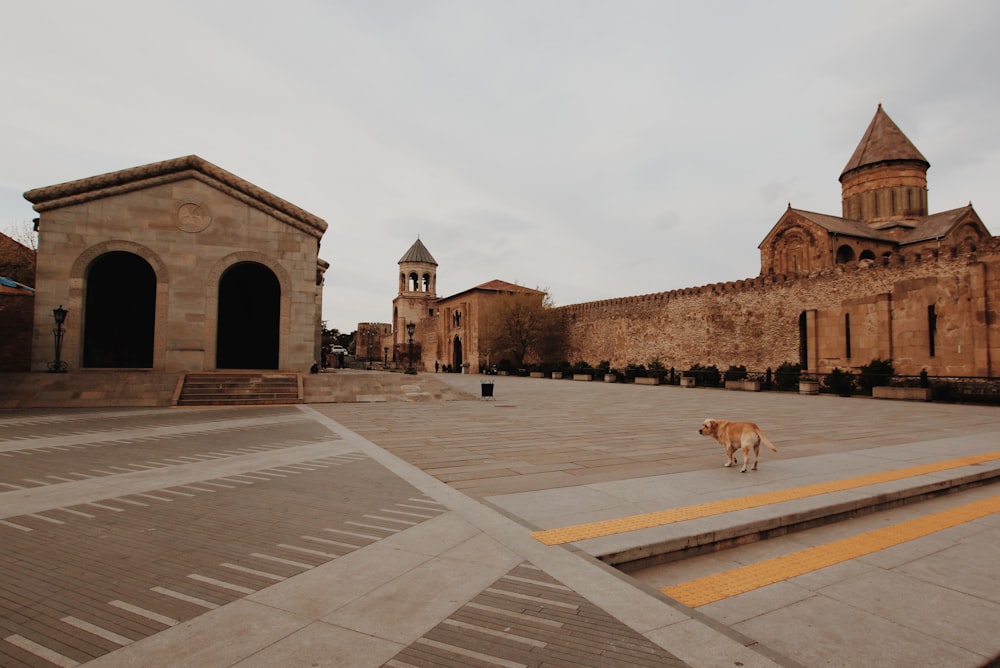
(737, 436)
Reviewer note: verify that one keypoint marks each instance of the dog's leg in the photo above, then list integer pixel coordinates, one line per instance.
(756, 455)
(746, 456)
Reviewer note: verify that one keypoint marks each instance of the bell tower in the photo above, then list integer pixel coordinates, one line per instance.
(417, 289)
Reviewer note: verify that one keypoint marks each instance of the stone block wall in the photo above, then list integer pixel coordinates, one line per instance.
(756, 322)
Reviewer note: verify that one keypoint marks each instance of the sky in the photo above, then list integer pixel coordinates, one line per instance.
(594, 149)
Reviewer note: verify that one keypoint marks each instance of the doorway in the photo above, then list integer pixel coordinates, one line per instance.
(249, 318)
(119, 312)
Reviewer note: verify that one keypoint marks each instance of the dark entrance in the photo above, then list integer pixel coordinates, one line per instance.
(119, 312)
(249, 314)
(457, 357)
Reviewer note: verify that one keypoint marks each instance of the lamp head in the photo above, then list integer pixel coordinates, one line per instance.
(410, 327)
(59, 314)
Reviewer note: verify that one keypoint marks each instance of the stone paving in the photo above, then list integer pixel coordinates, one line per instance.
(398, 534)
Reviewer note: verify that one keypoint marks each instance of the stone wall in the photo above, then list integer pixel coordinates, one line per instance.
(756, 322)
(16, 317)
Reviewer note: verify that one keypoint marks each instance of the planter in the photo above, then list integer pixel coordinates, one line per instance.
(537, 374)
(647, 381)
(610, 378)
(687, 381)
(808, 387)
(904, 393)
(556, 375)
(744, 385)
(583, 376)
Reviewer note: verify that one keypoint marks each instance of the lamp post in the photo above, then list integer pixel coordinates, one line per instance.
(58, 366)
(409, 331)
(385, 358)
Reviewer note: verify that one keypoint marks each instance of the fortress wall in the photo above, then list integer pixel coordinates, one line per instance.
(755, 322)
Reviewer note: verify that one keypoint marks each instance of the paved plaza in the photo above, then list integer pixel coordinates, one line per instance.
(411, 532)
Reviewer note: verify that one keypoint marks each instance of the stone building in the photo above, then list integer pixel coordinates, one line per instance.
(176, 266)
(886, 279)
(448, 331)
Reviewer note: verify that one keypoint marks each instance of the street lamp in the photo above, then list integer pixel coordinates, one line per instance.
(60, 317)
(409, 331)
(385, 359)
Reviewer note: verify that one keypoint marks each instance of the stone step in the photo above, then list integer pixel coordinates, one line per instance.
(226, 389)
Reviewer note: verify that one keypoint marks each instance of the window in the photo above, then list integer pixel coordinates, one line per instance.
(847, 335)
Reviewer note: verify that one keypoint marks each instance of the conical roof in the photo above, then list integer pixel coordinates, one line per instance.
(418, 253)
(883, 142)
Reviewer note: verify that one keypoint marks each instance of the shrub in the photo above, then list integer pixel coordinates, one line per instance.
(787, 376)
(706, 376)
(735, 373)
(839, 381)
(877, 373)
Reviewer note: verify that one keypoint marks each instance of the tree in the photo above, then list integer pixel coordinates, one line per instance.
(524, 323)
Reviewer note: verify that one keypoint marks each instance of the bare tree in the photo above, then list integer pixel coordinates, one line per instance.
(522, 324)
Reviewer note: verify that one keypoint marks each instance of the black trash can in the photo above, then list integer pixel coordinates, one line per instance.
(487, 390)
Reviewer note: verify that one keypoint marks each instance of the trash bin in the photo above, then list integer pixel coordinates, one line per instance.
(487, 390)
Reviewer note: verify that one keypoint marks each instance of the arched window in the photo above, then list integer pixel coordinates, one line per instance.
(866, 255)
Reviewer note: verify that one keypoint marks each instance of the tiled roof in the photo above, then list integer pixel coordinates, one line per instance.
(844, 226)
(168, 171)
(883, 141)
(927, 227)
(418, 253)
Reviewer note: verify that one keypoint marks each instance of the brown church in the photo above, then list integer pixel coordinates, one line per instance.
(886, 279)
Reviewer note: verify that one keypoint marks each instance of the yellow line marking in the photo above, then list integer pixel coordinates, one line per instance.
(712, 588)
(647, 520)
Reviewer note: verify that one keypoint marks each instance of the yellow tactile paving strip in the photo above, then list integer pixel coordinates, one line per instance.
(712, 588)
(661, 517)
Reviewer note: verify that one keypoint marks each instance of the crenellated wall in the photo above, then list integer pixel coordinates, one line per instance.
(756, 322)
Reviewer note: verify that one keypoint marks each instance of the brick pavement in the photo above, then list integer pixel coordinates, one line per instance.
(280, 536)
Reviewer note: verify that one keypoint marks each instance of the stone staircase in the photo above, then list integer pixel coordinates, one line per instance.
(239, 388)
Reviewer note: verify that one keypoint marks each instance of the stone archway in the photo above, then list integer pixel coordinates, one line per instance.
(249, 318)
(119, 312)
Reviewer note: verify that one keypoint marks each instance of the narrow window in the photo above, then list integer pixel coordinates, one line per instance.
(931, 327)
(847, 334)
(803, 342)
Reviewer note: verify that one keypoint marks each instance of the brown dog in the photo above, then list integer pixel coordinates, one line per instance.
(737, 436)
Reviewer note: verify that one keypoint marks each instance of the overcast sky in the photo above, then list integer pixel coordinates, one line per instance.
(594, 148)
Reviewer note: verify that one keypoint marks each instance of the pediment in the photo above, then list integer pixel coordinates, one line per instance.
(170, 171)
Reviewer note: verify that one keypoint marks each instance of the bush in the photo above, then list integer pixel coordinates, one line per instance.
(877, 373)
(735, 373)
(839, 381)
(787, 376)
(705, 376)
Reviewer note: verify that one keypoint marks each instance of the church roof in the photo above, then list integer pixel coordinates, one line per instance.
(843, 226)
(937, 225)
(418, 253)
(170, 171)
(925, 228)
(883, 141)
(503, 286)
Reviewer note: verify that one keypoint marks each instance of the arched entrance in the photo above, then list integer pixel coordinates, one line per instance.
(119, 312)
(249, 317)
(457, 355)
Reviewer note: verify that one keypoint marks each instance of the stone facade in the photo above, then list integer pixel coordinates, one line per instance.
(177, 266)
(448, 331)
(885, 280)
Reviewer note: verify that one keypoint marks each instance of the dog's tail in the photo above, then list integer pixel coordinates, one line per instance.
(763, 439)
